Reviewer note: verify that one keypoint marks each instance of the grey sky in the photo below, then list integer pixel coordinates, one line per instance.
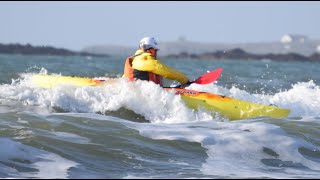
(74, 25)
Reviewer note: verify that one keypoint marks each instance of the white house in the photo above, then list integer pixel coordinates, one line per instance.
(318, 48)
(293, 38)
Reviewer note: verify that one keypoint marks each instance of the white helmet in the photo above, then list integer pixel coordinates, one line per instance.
(148, 42)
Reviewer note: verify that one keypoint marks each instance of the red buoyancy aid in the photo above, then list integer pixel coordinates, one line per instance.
(128, 70)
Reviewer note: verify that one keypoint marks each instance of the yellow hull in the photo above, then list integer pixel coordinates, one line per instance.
(231, 108)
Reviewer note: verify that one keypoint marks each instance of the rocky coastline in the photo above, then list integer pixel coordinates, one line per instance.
(238, 53)
(42, 50)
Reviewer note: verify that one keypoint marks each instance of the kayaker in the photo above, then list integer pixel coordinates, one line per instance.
(144, 65)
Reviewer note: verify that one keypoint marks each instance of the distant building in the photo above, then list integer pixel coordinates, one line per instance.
(290, 38)
(318, 48)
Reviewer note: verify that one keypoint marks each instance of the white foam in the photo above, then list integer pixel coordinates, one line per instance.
(303, 99)
(235, 149)
(49, 165)
(145, 98)
(151, 101)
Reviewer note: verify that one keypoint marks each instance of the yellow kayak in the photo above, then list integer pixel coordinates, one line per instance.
(231, 108)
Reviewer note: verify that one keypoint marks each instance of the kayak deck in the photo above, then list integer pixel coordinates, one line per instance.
(231, 108)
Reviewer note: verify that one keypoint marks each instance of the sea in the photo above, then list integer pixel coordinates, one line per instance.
(134, 130)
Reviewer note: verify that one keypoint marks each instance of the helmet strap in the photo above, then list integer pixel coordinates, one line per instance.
(153, 52)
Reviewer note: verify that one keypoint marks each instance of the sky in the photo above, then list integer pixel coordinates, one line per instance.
(78, 24)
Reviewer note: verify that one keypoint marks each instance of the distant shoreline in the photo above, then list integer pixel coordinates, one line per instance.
(238, 53)
(42, 50)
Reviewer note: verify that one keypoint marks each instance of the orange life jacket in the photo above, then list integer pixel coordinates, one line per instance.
(133, 74)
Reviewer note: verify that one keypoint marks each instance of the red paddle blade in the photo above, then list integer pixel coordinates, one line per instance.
(209, 77)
